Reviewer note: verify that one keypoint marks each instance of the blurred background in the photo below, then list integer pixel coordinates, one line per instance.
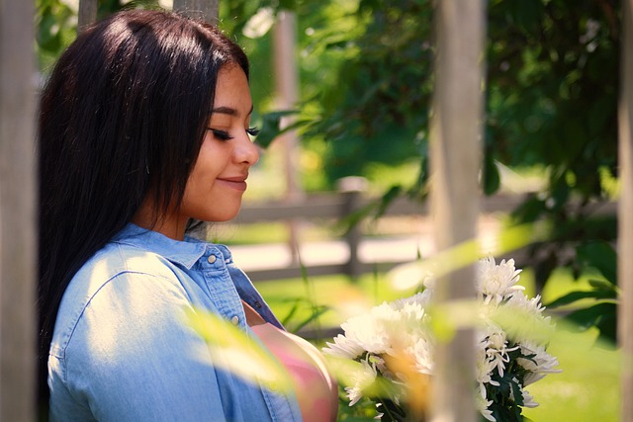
(341, 93)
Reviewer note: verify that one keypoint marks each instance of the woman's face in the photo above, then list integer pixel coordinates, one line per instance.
(218, 180)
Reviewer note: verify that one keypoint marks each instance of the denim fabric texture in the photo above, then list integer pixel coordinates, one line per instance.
(121, 348)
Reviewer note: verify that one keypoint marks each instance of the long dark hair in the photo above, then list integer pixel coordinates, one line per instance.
(123, 116)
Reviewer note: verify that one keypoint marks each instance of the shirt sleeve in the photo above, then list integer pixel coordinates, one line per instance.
(132, 356)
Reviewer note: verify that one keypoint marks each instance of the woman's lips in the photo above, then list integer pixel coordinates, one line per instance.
(236, 183)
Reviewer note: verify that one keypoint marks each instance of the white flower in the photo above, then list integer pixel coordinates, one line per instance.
(495, 344)
(539, 365)
(481, 404)
(497, 282)
(483, 369)
(366, 332)
(403, 326)
(528, 400)
(363, 378)
(423, 299)
(344, 347)
(422, 352)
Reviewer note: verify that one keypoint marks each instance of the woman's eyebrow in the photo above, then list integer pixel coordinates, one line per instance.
(228, 110)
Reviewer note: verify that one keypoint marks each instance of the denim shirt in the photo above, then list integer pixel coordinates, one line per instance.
(121, 348)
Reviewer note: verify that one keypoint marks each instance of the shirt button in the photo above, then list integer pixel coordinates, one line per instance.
(211, 259)
(235, 320)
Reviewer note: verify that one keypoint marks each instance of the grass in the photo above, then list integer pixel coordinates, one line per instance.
(586, 390)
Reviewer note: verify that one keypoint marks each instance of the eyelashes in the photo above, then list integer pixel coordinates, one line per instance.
(223, 135)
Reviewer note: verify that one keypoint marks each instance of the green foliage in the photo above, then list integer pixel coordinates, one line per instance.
(377, 110)
(551, 100)
(595, 307)
(507, 400)
(56, 25)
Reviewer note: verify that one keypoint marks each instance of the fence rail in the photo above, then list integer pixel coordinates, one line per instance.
(338, 206)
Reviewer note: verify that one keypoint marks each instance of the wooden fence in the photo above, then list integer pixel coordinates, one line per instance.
(342, 207)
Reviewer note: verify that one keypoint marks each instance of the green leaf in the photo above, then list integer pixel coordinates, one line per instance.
(605, 286)
(48, 35)
(317, 311)
(608, 326)
(386, 200)
(591, 316)
(271, 126)
(579, 295)
(530, 210)
(601, 256)
(491, 179)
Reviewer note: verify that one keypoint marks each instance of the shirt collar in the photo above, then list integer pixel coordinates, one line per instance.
(185, 253)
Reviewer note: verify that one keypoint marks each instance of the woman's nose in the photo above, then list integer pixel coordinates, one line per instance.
(247, 152)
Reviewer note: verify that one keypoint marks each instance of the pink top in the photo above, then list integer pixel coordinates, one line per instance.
(315, 388)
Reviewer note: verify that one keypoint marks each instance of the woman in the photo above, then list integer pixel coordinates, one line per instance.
(144, 128)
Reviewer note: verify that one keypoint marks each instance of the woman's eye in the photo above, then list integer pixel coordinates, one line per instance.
(220, 134)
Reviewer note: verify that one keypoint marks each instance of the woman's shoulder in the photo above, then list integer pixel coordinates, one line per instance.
(119, 279)
(116, 260)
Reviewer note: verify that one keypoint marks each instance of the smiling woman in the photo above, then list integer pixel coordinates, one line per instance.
(144, 128)
(218, 178)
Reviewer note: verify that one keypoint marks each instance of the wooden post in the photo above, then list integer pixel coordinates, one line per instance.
(17, 212)
(625, 212)
(87, 13)
(455, 149)
(287, 93)
(353, 188)
(206, 10)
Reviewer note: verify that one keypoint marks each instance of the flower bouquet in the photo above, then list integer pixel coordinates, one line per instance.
(394, 345)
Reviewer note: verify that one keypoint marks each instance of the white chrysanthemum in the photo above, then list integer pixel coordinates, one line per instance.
(422, 352)
(363, 378)
(360, 333)
(532, 307)
(528, 400)
(404, 326)
(344, 347)
(497, 282)
(423, 299)
(484, 367)
(495, 343)
(533, 326)
(539, 365)
(368, 331)
(481, 404)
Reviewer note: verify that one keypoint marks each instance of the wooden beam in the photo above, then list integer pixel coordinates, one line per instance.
(287, 97)
(87, 13)
(17, 212)
(287, 92)
(455, 148)
(625, 212)
(207, 10)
